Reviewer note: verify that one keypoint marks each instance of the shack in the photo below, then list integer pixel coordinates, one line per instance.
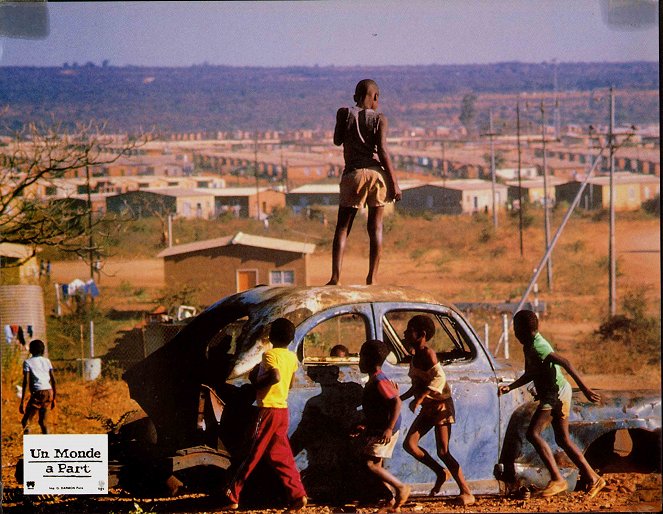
(459, 196)
(631, 190)
(219, 267)
(312, 194)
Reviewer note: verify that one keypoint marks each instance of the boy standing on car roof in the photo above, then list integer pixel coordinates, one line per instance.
(542, 365)
(366, 180)
(272, 380)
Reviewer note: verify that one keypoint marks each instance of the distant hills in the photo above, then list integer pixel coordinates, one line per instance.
(212, 98)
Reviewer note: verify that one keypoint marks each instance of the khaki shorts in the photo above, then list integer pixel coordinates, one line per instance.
(363, 187)
(438, 412)
(382, 450)
(561, 407)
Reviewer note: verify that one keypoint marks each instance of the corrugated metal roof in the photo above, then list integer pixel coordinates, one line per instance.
(538, 182)
(176, 191)
(240, 238)
(465, 184)
(316, 188)
(625, 178)
(272, 243)
(237, 191)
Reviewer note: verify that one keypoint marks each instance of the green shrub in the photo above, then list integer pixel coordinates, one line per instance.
(625, 342)
(486, 234)
(601, 215)
(280, 215)
(174, 296)
(417, 253)
(577, 246)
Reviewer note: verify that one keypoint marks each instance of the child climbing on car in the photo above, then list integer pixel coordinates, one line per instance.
(553, 391)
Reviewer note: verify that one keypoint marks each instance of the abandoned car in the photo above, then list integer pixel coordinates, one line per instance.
(196, 395)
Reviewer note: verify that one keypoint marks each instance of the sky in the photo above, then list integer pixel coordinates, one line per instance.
(329, 33)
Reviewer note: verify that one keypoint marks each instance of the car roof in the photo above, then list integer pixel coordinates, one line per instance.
(281, 300)
(264, 304)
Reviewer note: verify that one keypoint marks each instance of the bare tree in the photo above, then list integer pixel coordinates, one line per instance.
(155, 205)
(31, 161)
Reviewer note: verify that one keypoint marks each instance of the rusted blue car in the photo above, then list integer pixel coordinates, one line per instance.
(195, 393)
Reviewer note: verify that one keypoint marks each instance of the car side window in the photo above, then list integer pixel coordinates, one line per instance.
(336, 339)
(449, 341)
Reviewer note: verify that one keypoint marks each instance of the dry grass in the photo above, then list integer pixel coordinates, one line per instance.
(81, 408)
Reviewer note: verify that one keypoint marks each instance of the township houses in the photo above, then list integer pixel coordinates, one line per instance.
(566, 169)
(325, 195)
(79, 203)
(529, 172)
(459, 196)
(244, 202)
(188, 203)
(312, 194)
(532, 191)
(631, 190)
(219, 267)
(300, 171)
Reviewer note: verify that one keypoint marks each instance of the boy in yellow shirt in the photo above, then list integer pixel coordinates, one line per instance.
(270, 436)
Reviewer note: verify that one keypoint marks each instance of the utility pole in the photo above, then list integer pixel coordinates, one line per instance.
(556, 112)
(255, 168)
(89, 221)
(612, 280)
(444, 173)
(283, 175)
(520, 190)
(546, 202)
(491, 135)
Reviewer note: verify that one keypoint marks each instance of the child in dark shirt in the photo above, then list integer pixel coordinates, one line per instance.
(368, 177)
(381, 405)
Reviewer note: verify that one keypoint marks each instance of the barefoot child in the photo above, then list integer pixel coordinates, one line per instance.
(432, 392)
(38, 374)
(542, 365)
(382, 407)
(366, 180)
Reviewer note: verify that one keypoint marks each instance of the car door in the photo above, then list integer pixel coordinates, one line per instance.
(475, 434)
(325, 401)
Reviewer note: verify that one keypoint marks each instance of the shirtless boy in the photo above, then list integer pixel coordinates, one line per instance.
(366, 180)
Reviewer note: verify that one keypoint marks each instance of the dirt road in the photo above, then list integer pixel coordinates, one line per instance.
(624, 493)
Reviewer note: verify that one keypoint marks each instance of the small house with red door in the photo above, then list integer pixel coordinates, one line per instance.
(219, 267)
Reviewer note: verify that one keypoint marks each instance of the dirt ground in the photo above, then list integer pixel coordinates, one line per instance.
(624, 493)
(638, 249)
